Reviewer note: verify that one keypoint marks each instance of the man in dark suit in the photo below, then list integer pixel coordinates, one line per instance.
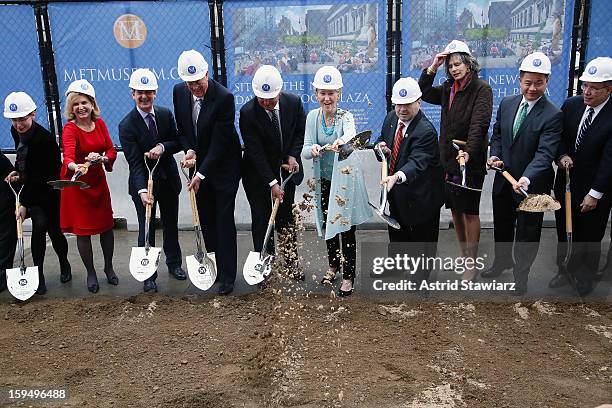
(37, 162)
(586, 149)
(272, 127)
(8, 233)
(416, 180)
(151, 130)
(525, 139)
(204, 111)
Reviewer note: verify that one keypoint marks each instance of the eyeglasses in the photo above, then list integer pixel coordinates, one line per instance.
(584, 87)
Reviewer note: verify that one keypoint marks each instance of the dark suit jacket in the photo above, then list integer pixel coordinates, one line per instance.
(216, 141)
(135, 140)
(7, 199)
(533, 150)
(43, 164)
(422, 194)
(262, 149)
(593, 160)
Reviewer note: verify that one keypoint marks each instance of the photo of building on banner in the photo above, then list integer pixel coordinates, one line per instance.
(499, 34)
(299, 39)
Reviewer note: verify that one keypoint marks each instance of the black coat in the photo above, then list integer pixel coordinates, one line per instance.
(43, 163)
(593, 160)
(534, 148)
(135, 140)
(7, 199)
(422, 194)
(216, 142)
(262, 149)
(468, 119)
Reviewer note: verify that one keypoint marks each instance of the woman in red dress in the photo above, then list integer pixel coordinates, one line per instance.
(88, 212)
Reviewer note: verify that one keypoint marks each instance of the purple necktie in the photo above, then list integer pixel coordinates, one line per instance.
(152, 128)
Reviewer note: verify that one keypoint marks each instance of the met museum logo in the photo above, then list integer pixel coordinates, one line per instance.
(130, 31)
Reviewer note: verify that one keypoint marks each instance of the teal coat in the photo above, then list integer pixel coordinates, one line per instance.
(348, 199)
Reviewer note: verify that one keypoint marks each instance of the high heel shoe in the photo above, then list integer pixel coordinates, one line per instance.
(345, 293)
(112, 279)
(93, 288)
(330, 276)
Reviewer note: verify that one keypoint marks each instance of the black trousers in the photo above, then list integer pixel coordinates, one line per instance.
(8, 242)
(216, 202)
(588, 229)
(337, 257)
(46, 220)
(260, 201)
(168, 207)
(515, 229)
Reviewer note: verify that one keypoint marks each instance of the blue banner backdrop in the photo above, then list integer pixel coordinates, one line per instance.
(599, 30)
(20, 69)
(499, 34)
(105, 42)
(299, 39)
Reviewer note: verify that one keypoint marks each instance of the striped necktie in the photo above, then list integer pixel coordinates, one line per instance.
(584, 127)
(399, 135)
(520, 119)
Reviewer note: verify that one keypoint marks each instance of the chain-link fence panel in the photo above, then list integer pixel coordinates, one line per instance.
(105, 42)
(20, 69)
(300, 37)
(599, 29)
(499, 33)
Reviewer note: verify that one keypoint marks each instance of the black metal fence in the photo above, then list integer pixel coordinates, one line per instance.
(420, 28)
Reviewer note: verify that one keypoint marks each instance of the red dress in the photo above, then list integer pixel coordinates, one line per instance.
(88, 211)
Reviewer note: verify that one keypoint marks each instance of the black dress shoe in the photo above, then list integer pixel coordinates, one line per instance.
(226, 288)
(493, 272)
(112, 278)
(42, 289)
(584, 287)
(150, 286)
(178, 273)
(93, 288)
(65, 273)
(558, 281)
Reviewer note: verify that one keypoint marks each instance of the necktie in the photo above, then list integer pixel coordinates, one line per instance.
(152, 128)
(197, 106)
(520, 119)
(276, 127)
(584, 127)
(396, 146)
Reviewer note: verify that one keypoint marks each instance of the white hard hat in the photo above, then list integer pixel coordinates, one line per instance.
(267, 82)
(18, 105)
(81, 86)
(457, 46)
(192, 66)
(143, 80)
(536, 62)
(327, 77)
(405, 90)
(598, 70)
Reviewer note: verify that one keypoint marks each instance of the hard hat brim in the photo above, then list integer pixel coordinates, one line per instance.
(589, 78)
(144, 88)
(327, 87)
(194, 77)
(266, 95)
(16, 115)
(405, 101)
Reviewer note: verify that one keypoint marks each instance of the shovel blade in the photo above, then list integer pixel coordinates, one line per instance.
(256, 269)
(60, 184)
(22, 284)
(142, 264)
(392, 222)
(202, 274)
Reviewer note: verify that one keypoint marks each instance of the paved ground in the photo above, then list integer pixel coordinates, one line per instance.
(313, 251)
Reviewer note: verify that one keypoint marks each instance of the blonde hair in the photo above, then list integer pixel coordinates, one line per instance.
(95, 113)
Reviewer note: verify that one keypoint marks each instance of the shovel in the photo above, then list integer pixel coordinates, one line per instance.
(532, 202)
(201, 267)
(144, 260)
(73, 182)
(258, 265)
(358, 142)
(22, 282)
(380, 209)
(568, 217)
(456, 144)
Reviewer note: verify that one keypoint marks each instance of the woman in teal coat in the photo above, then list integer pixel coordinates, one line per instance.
(341, 199)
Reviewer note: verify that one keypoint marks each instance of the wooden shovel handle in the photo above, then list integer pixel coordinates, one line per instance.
(149, 195)
(285, 167)
(195, 216)
(384, 170)
(274, 210)
(459, 142)
(568, 212)
(19, 222)
(461, 161)
(512, 181)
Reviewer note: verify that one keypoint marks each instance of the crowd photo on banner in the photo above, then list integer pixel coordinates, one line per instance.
(545, 154)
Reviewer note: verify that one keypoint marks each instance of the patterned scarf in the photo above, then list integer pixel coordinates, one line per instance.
(458, 86)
